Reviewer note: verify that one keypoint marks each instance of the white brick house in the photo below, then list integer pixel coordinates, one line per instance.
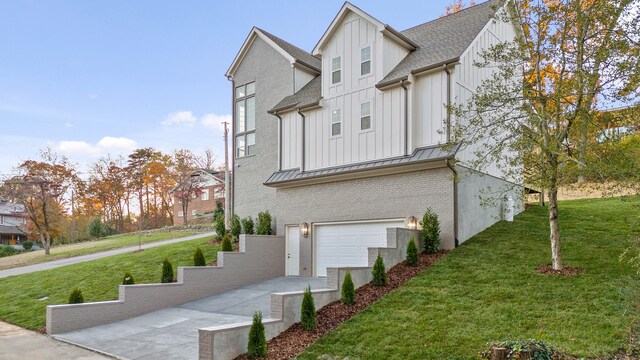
(344, 141)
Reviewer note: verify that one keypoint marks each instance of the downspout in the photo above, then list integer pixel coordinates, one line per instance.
(233, 147)
(455, 202)
(275, 113)
(406, 117)
(302, 141)
(446, 69)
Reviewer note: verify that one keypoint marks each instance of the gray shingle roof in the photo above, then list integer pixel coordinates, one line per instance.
(426, 154)
(300, 55)
(442, 39)
(7, 208)
(11, 230)
(308, 95)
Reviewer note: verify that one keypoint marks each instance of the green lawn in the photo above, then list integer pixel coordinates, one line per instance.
(89, 247)
(488, 289)
(98, 279)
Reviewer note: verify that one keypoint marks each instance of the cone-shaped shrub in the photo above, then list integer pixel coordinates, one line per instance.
(235, 227)
(226, 243)
(379, 273)
(412, 253)
(257, 346)
(247, 225)
(430, 232)
(198, 258)
(128, 279)
(348, 292)
(219, 226)
(264, 224)
(308, 317)
(76, 297)
(167, 271)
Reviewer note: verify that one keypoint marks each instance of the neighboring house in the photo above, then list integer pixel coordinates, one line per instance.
(210, 193)
(13, 223)
(343, 142)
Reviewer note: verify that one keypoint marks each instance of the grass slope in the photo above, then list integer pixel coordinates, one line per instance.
(98, 280)
(488, 289)
(89, 247)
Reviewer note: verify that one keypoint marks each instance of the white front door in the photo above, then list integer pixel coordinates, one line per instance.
(347, 244)
(293, 251)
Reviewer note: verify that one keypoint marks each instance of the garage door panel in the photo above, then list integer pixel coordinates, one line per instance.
(347, 244)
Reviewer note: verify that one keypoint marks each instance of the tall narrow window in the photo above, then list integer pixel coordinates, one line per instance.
(336, 70)
(245, 119)
(205, 194)
(336, 122)
(365, 116)
(365, 60)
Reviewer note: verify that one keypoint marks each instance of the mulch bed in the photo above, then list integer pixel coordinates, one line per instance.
(566, 270)
(295, 339)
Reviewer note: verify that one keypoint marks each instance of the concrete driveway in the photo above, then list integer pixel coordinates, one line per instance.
(172, 333)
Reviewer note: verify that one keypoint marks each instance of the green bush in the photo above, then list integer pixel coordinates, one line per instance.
(219, 210)
(247, 225)
(97, 229)
(412, 253)
(348, 291)
(76, 297)
(430, 232)
(379, 273)
(27, 245)
(226, 243)
(257, 346)
(264, 223)
(198, 258)
(218, 225)
(532, 348)
(308, 316)
(236, 227)
(128, 279)
(8, 250)
(167, 271)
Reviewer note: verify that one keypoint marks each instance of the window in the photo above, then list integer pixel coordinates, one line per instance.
(336, 122)
(205, 194)
(193, 212)
(336, 70)
(1, 219)
(180, 213)
(365, 116)
(365, 60)
(245, 119)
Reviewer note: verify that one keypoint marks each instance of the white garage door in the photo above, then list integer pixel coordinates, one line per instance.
(346, 244)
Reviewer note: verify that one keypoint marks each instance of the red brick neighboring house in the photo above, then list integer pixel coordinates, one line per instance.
(13, 223)
(211, 194)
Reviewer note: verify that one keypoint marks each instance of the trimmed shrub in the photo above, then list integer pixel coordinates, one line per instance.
(308, 316)
(247, 225)
(198, 258)
(76, 297)
(167, 271)
(264, 223)
(379, 273)
(348, 291)
(97, 229)
(218, 226)
(236, 227)
(27, 245)
(430, 232)
(412, 253)
(257, 346)
(226, 243)
(8, 250)
(128, 279)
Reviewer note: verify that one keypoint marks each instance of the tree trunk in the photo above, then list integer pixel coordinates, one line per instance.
(554, 230)
(47, 243)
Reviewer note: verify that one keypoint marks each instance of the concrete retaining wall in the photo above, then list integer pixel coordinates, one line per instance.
(260, 258)
(228, 341)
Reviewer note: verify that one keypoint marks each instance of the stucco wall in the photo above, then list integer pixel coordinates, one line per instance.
(260, 257)
(481, 201)
(273, 77)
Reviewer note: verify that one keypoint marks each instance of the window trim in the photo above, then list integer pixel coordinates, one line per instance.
(205, 195)
(370, 128)
(243, 134)
(180, 213)
(194, 212)
(369, 60)
(331, 123)
(336, 70)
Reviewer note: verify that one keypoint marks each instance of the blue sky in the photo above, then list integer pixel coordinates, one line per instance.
(91, 78)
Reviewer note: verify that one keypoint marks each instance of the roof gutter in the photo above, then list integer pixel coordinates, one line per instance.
(275, 113)
(446, 70)
(302, 140)
(406, 117)
(455, 201)
(412, 45)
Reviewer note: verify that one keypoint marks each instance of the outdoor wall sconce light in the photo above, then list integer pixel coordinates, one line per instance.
(412, 222)
(304, 229)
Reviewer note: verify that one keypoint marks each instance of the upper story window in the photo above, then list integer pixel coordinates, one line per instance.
(365, 60)
(205, 194)
(336, 122)
(336, 70)
(365, 115)
(245, 119)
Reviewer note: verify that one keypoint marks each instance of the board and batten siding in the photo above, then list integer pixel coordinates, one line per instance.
(291, 140)
(429, 109)
(469, 77)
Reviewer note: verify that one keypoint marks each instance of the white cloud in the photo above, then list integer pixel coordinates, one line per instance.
(184, 119)
(106, 145)
(214, 122)
(68, 125)
(92, 96)
(76, 147)
(116, 144)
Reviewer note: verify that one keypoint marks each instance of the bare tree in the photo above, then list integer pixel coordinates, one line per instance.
(189, 182)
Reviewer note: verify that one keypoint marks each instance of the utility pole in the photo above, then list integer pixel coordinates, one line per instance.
(226, 175)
